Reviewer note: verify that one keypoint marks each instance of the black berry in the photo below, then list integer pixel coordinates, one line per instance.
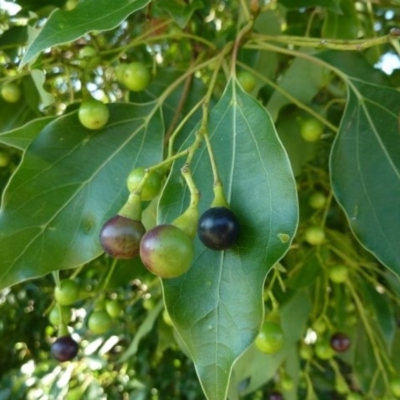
(120, 237)
(275, 396)
(64, 348)
(340, 342)
(218, 228)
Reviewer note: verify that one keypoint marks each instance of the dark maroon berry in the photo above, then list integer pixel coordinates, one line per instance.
(275, 396)
(120, 237)
(340, 342)
(64, 348)
(218, 228)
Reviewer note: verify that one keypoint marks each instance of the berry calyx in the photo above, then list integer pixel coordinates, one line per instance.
(166, 251)
(120, 237)
(64, 348)
(218, 228)
(100, 322)
(340, 342)
(271, 338)
(11, 92)
(135, 76)
(152, 186)
(93, 114)
(67, 292)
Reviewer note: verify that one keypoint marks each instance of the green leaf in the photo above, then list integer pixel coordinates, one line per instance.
(89, 15)
(69, 182)
(302, 80)
(180, 11)
(21, 137)
(365, 168)
(296, 4)
(39, 79)
(342, 25)
(217, 306)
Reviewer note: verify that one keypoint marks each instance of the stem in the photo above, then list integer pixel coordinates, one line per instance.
(109, 274)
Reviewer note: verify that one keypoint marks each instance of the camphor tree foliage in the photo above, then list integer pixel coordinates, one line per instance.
(199, 199)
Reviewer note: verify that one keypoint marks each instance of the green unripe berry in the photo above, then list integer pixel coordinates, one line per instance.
(113, 308)
(11, 92)
(247, 81)
(54, 316)
(100, 322)
(311, 130)
(315, 235)
(5, 158)
(152, 186)
(93, 114)
(136, 76)
(338, 273)
(323, 350)
(271, 338)
(87, 52)
(67, 292)
(317, 200)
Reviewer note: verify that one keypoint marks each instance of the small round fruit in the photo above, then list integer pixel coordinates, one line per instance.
(64, 348)
(287, 383)
(120, 237)
(319, 326)
(394, 385)
(306, 352)
(54, 316)
(114, 308)
(338, 273)
(317, 200)
(136, 76)
(218, 228)
(5, 158)
(11, 92)
(119, 72)
(275, 396)
(315, 235)
(152, 186)
(340, 342)
(87, 52)
(67, 292)
(247, 80)
(271, 338)
(93, 114)
(323, 350)
(100, 322)
(354, 396)
(166, 251)
(311, 130)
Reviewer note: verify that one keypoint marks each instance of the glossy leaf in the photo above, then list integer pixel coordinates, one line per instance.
(21, 137)
(365, 168)
(226, 287)
(89, 15)
(69, 182)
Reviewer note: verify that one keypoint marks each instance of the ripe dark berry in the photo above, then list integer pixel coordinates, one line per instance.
(64, 348)
(218, 228)
(275, 396)
(120, 237)
(340, 342)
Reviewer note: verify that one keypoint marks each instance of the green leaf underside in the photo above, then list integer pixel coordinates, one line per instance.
(217, 306)
(89, 15)
(365, 168)
(70, 181)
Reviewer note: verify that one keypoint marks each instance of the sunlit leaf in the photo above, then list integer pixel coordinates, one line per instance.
(70, 181)
(217, 306)
(89, 15)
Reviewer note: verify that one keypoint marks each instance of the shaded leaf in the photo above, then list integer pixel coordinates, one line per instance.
(296, 4)
(365, 168)
(69, 182)
(89, 15)
(180, 11)
(227, 287)
(39, 79)
(21, 137)
(342, 25)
